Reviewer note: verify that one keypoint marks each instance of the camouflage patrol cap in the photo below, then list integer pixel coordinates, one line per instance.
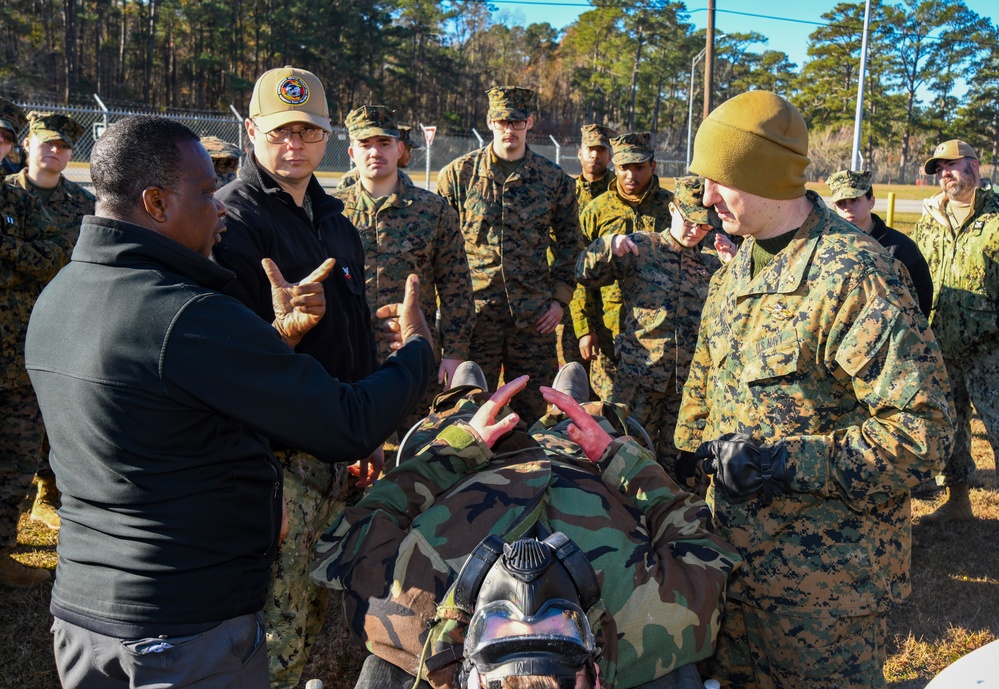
(689, 198)
(509, 103)
(847, 184)
(225, 158)
(954, 149)
(406, 138)
(368, 121)
(47, 126)
(11, 116)
(632, 148)
(597, 135)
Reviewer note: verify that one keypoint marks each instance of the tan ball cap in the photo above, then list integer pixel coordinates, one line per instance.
(285, 95)
(949, 150)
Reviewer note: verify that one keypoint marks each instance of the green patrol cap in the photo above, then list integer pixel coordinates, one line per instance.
(949, 150)
(689, 198)
(632, 148)
(369, 121)
(597, 135)
(47, 126)
(509, 103)
(11, 116)
(847, 184)
(406, 138)
(219, 149)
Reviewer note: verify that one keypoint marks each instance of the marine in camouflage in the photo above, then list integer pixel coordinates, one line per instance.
(351, 176)
(587, 191)
(508, 224)
(664, 289)
(397, 552)
(225, 158)
(598, 310)
(66, 204)
(414, 231)
(826, 351)
(963, 263)
(32, 250)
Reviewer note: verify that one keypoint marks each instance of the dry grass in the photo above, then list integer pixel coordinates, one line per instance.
(952, 610)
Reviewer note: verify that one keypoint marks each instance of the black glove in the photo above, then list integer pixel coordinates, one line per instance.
(744, 468)
(689, 470)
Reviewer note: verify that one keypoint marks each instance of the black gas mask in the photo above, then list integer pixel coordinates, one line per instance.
(529, 600)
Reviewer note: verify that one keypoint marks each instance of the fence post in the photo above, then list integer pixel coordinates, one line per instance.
(104, 109)
(558, 150)
(890, 219)
(239, 125)
(481, 142)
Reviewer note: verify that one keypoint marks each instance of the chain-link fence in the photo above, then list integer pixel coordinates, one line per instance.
(229, 127)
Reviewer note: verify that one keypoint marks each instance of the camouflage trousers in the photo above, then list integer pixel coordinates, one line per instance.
(972, 382)
(296, 606)
(20, 452)
(764, 650)
(499, 346)
(603, 371)
(656, 409)
(567, 342)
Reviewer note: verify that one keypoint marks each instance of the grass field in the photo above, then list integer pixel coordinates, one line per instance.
(952, 610)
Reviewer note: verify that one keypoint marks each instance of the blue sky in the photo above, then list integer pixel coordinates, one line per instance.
(784, 34)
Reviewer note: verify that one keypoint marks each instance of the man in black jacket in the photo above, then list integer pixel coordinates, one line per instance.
(853, 200)
(159, 393)
(277, 209)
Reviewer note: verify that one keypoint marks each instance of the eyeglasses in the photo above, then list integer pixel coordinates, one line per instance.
(283, 135)
(511, 124)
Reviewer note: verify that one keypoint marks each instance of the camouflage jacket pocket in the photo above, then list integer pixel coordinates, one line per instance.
(771, 358)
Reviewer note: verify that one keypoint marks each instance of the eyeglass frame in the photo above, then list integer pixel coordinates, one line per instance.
(290, 134)
(515, 125)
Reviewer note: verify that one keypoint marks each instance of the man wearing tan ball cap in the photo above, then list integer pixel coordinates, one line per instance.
(959, 237)
(277, 209)
(816, 400)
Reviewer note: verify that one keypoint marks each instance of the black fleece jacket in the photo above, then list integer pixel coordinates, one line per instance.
(159, 393)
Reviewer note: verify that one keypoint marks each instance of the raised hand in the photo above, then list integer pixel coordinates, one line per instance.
(484, 422)
(584, 429)
(402, 321)
(298, 306)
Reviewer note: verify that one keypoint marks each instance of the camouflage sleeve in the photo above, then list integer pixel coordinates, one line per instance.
(679, 595)
(366, 537)
(565, 227)
(447, 186)
(35, 249)
(887, 353)
(693, 414)
(585, 300)
(454, 286)
(598, 266)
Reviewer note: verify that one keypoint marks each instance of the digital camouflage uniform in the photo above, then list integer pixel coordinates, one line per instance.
(225, 157)
(826, 351)
(32, 250)
(507, 224)
(965, 291)
(598, 310)
(397, 552)
(663, 288)
(412, 231)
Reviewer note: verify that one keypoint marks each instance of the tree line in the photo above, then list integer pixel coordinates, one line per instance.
(626, 63)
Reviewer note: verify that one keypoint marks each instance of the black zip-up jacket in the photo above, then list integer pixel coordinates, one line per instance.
(263, 221)
(158, 394)
(907, 251)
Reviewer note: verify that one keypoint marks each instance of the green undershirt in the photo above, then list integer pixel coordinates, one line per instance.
(764, 250)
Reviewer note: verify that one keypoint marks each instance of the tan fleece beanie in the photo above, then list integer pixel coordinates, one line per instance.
(756, 142)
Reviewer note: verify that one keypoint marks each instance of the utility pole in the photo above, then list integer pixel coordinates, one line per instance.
(858, 119)
(709, 60)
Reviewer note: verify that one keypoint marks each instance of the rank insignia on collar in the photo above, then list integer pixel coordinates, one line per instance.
(779, 312)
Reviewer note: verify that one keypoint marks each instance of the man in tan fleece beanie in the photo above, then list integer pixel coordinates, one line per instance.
(816, 399)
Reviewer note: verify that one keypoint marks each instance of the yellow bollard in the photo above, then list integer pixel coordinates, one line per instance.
(889, 220)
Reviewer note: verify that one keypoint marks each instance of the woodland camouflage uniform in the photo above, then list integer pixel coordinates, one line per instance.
(397, 552)
(824, 350)
(963, 263)
(507, 224)
(599, 310)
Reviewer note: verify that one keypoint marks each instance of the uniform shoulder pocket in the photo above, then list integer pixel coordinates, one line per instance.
(867, 335)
